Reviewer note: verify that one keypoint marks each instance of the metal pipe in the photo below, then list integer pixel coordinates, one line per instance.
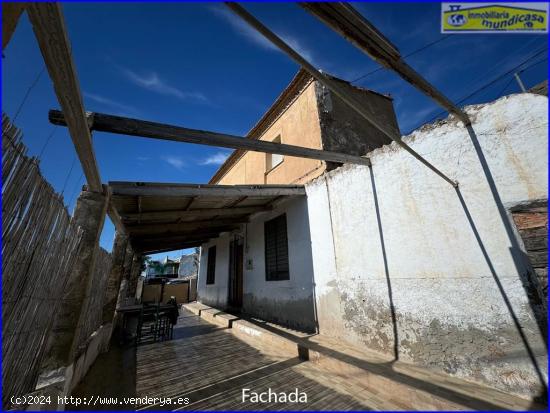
(330, 84)
(520, 83)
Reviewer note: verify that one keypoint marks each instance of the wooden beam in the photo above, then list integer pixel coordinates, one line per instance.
(236, 202)
(174, 229)
(349, 23)
(155, 250)
(191, 200)
(187, 190)
(334, 86)
(168, 242)
(135, 127)
(11, 12)
(115, 218)
(198, 213)
(49, 28)
(191, 237)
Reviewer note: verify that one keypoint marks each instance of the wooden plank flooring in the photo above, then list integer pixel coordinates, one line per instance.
(211, 367)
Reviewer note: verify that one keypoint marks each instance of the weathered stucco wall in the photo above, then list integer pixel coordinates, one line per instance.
(297, 125)
(289, 302)
(215, 294)
(344, 130)
(449, 266)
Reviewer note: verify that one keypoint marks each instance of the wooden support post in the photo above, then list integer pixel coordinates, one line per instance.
(11, 12)
(89, 215)
(135, 127)
(134, 275)
(115, 277)
(127, 270)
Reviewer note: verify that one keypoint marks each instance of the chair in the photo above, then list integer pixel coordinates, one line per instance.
(148, 323)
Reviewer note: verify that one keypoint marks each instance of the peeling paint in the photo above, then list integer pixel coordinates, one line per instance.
(450, 313)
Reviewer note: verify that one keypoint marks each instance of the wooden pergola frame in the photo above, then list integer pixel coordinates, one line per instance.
(49, 27)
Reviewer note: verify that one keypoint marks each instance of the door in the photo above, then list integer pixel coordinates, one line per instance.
(236, 257)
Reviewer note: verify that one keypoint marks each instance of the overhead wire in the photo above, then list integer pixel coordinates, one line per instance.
(75, 188)
(54, 130)
(488, 84)
(68, 175)
(420, 49)
(28, 92)
(505, 87)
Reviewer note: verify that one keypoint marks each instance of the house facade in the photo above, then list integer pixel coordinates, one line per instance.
(309, 115)
(265, 268)
(394, 260)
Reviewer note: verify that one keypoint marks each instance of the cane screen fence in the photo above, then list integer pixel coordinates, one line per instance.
(39, 247)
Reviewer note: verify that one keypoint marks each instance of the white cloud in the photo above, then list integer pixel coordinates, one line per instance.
(216, 159)
(112, 103)
(154, 83)
(300, 48)
(242, 28)
(143, 158)
(176, 162)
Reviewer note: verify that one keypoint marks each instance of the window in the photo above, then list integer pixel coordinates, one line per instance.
(211, 266)
(272, 160)
(276, 249)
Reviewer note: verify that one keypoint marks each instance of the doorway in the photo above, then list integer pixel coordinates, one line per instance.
(236, 257)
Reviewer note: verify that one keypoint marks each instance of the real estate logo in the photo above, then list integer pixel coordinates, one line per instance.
(494, 17)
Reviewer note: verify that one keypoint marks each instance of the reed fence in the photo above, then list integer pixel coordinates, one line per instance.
(39, 247)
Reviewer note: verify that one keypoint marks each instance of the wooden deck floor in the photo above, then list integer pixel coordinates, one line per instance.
(211, 367)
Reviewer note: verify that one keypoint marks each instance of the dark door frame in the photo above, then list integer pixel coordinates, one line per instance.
(236, 272)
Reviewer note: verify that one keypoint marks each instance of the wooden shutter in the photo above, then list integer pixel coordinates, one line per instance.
(211, 266)
(276, 249)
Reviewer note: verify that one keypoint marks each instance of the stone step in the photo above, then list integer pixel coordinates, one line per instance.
(404, 385)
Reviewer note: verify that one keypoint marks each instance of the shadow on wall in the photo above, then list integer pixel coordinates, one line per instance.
(520, 262)
(386, 270)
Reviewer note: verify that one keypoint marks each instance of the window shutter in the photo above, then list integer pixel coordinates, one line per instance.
(211, 266)
(276, 249)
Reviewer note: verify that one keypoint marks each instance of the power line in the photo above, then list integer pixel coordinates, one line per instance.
(405, 56)
(504, 75)
(68, 175)
(486, 85)
(27, 93)
(47, 141)
(496, 66)
(505, 87)
(75, 188)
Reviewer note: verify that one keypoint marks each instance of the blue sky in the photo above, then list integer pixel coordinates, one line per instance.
(197, 65)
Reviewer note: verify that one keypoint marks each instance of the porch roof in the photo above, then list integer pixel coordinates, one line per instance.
(161, 217)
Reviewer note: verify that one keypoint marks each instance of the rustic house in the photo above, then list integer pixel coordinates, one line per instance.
(391, 259)
(307, 114)
(265, 267)
(419, 266)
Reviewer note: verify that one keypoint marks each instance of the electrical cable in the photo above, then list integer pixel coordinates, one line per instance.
(420, 49)
(47, 141)
(485, 86)
(75, 188)
(27, 93)
(68, 175)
